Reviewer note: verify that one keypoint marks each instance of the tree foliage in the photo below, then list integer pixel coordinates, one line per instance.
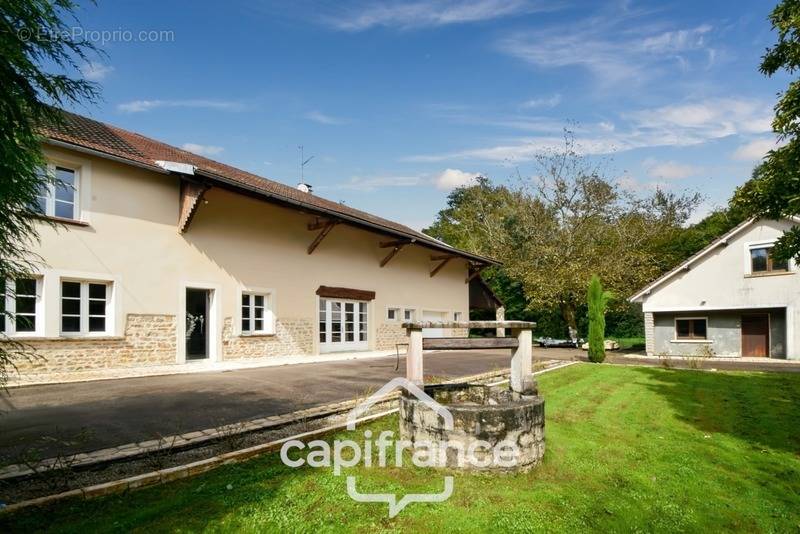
(774, 190)
(597, 300)
(37, 56)
(566, 221)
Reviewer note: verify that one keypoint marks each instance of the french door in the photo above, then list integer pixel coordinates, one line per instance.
(342, 325)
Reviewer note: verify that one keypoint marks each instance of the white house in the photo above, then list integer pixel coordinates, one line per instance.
(162, 256)
(730, 299)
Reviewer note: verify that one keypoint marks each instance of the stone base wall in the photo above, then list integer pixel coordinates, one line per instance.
(649, 334)
(148, 340)
(388, 335)
(459, 332)
(292, 337)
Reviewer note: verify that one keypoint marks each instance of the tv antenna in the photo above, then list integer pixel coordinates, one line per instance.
(303, 163)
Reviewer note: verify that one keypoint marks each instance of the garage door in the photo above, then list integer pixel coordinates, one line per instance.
(433, 316)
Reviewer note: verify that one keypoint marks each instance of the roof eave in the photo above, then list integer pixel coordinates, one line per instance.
(100, 154)
(686, 265)
(348, 218)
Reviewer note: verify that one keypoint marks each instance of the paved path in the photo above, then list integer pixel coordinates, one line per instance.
(137, 409)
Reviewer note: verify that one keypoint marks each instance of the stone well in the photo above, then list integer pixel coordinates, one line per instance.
(490, 414)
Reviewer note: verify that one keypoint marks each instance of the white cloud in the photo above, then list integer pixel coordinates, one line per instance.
(616, 49)
(359, 183)
(322, 118)
(676, 41)
(95, 72)
(629, 183)
(452, 178)
(139, 106)
(202, 150)
(429, 13)
(545, 102)
(755, 150)
(683, 124)
(669, 170)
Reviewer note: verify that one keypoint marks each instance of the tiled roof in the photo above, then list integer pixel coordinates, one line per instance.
(118, 143)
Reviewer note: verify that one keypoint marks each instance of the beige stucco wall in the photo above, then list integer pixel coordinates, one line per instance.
(721, 281)
(233, 242)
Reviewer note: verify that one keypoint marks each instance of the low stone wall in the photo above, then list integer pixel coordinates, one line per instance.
(388, 335)
(292, 337)
(148, 340)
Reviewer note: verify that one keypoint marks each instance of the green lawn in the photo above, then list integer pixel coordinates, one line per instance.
(628, 449)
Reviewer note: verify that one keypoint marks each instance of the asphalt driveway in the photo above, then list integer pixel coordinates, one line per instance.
(128, 410)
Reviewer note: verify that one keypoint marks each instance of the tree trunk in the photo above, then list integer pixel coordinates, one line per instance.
(567, 308)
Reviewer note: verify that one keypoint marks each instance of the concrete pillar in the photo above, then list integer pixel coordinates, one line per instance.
(414, 356)
(522, 363)
(649, 333)
(500, 315)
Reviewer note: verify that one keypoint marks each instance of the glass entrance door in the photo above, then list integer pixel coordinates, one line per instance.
(197, 305)
(342, 325)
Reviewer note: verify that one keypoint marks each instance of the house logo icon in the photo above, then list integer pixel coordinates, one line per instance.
(396, 505)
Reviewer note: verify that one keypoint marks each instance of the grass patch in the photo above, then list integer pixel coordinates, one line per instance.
(628, 449)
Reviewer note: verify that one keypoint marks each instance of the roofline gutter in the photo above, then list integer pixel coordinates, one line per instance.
(101, 154)
(338, 215)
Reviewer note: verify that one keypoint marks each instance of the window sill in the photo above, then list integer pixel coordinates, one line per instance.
(104, 337)
(767, 275)
(62, 220)
(257, 334)
(707, 341)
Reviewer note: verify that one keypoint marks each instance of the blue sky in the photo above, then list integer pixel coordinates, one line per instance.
(400, 102)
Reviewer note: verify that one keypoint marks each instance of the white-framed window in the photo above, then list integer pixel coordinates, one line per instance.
(457, 316)
(59, 198)
(392, 314)
(85, 307)
(343, 324)
(409, 314)
(257, 315)
(21, 306)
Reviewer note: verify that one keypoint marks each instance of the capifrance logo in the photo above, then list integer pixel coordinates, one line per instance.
(373, 451)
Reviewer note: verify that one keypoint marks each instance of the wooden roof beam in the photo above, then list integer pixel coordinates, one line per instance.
(396, 243)
(320, 223)
(445, 260)
(397, 248)
(326, 229)
(474, 270)
(191, 195)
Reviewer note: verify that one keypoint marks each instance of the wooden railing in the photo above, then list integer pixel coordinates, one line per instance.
(521, 345)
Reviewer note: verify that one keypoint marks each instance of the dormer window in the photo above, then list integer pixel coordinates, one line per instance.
(762, 262)
(59, 198)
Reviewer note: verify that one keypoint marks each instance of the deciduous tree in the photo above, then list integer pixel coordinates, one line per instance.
(774, 190)
(567, 221)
